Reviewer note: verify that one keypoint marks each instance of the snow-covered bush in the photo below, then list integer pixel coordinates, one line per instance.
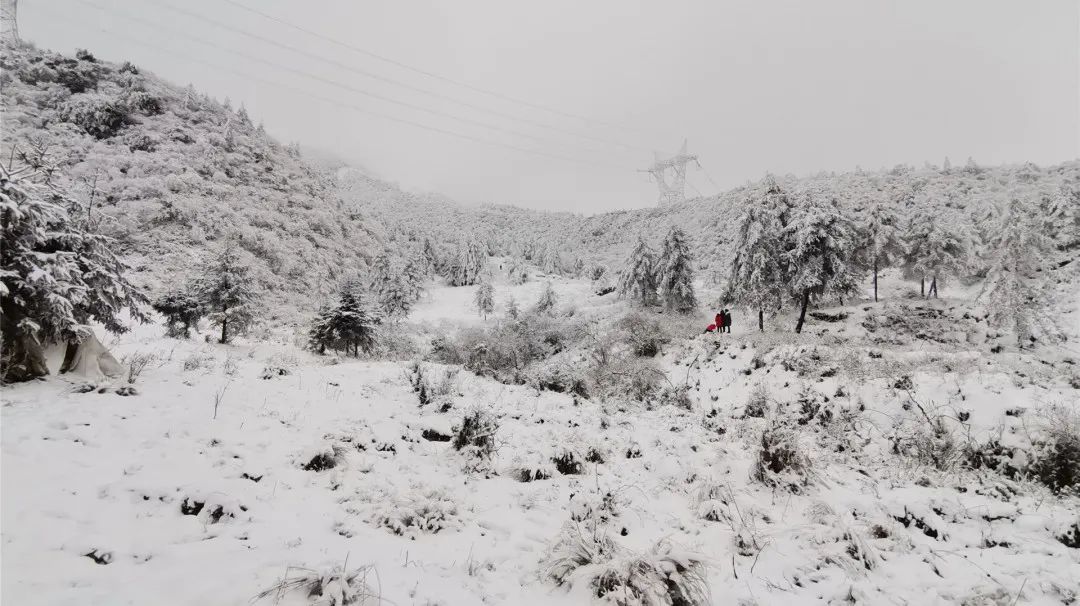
(476, 434)
(136, 363)
(645, 336)
(424, 513)
(334, 586)
(757, 403)
(780, 461)
(615, 575)
(547, 301)
(1056, 461)
(101, 116)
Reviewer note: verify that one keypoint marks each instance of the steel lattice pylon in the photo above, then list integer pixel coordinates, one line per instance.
(671, 192)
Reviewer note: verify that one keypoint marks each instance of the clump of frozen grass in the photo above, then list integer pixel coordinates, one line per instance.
(199, 360)
(476, 434)
(615, 575)
(928, 436)
(279, 365)
(332, 587)
(781, 462)
(426, 513)
(1057, 461)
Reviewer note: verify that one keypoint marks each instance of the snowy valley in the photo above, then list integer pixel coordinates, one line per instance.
(316, 388)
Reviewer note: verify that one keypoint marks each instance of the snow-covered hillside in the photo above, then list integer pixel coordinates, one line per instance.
(234, 467)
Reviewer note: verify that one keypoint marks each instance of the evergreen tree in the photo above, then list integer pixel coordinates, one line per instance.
(937, 243)
(675, 273)
(638, 279)
(467, 264)
(228, 294)
(394, 294)
(548, 300)
(824, 242)
(484, 298)
(759, 273)
(512, 310)
(347, 327)
(552, 261)
(182, 309)
(1064, 216)
(55, 278)
(414, 278)
(517, 270)
(881, 237)
(1011, 290)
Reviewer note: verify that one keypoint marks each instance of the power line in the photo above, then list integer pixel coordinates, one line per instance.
(423, 72)
(329, 81)
(183, 57)
(391, 81)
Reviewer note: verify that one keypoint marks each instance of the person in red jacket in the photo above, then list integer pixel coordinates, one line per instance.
(719, 322)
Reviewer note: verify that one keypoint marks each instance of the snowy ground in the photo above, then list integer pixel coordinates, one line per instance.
(101, 492)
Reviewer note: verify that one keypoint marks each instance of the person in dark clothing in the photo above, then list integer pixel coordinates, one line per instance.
(727, 320)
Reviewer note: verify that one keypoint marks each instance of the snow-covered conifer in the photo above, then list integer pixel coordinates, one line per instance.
(675, 273)
(228, 294)
(467, 264)
(182, 308)
(547, 301)
(758, 277)
(822, 260)
(1010, 291)
(348, 326)
(882, 244)
(484, 299)
(55, 278)
(938, 242)
(637, 281)
(517, 270)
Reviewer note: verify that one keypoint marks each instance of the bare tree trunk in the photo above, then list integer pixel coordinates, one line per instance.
(875, 279)
(224, 330)
(922, 287)
(761, 319)
(802, 312)
(933, 286)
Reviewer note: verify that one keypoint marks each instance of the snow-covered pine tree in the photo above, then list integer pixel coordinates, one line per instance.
(1011, 290)
(55, 278)
(881, 236)
(484, 299)
(517, 270)
(414, 278)
(675, 273)
(1064, 216)
(228, 294)
(349, 327)
(547, 301)
(759, 276)
(467, 264)
(393, 293)
(552, 261)
(822, 259)
(182, 309)
(512, 310)
(937, 242)
(637, 281)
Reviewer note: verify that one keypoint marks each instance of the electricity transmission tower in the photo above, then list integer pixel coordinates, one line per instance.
(9, 27)
(671, 192)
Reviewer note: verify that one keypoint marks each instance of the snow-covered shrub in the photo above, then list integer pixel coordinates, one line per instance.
(757, 404)
(615, 575)
(1056, 461)
(101, 116)
(428, 512)
(929, 437)
(476, 434)
(136, 363)
(567, 462)
(331, 587)
(594, 507)
(327, 457)
(677, 396)
(780, 461)
(645, 337)
(199, 359)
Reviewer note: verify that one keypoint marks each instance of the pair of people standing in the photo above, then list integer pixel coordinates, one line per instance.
(723, 321)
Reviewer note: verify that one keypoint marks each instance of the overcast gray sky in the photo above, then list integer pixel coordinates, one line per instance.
(778, 86)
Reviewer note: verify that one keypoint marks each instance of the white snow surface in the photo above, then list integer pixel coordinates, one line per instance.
(111, 475)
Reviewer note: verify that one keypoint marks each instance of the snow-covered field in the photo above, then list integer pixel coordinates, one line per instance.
(206, 486)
